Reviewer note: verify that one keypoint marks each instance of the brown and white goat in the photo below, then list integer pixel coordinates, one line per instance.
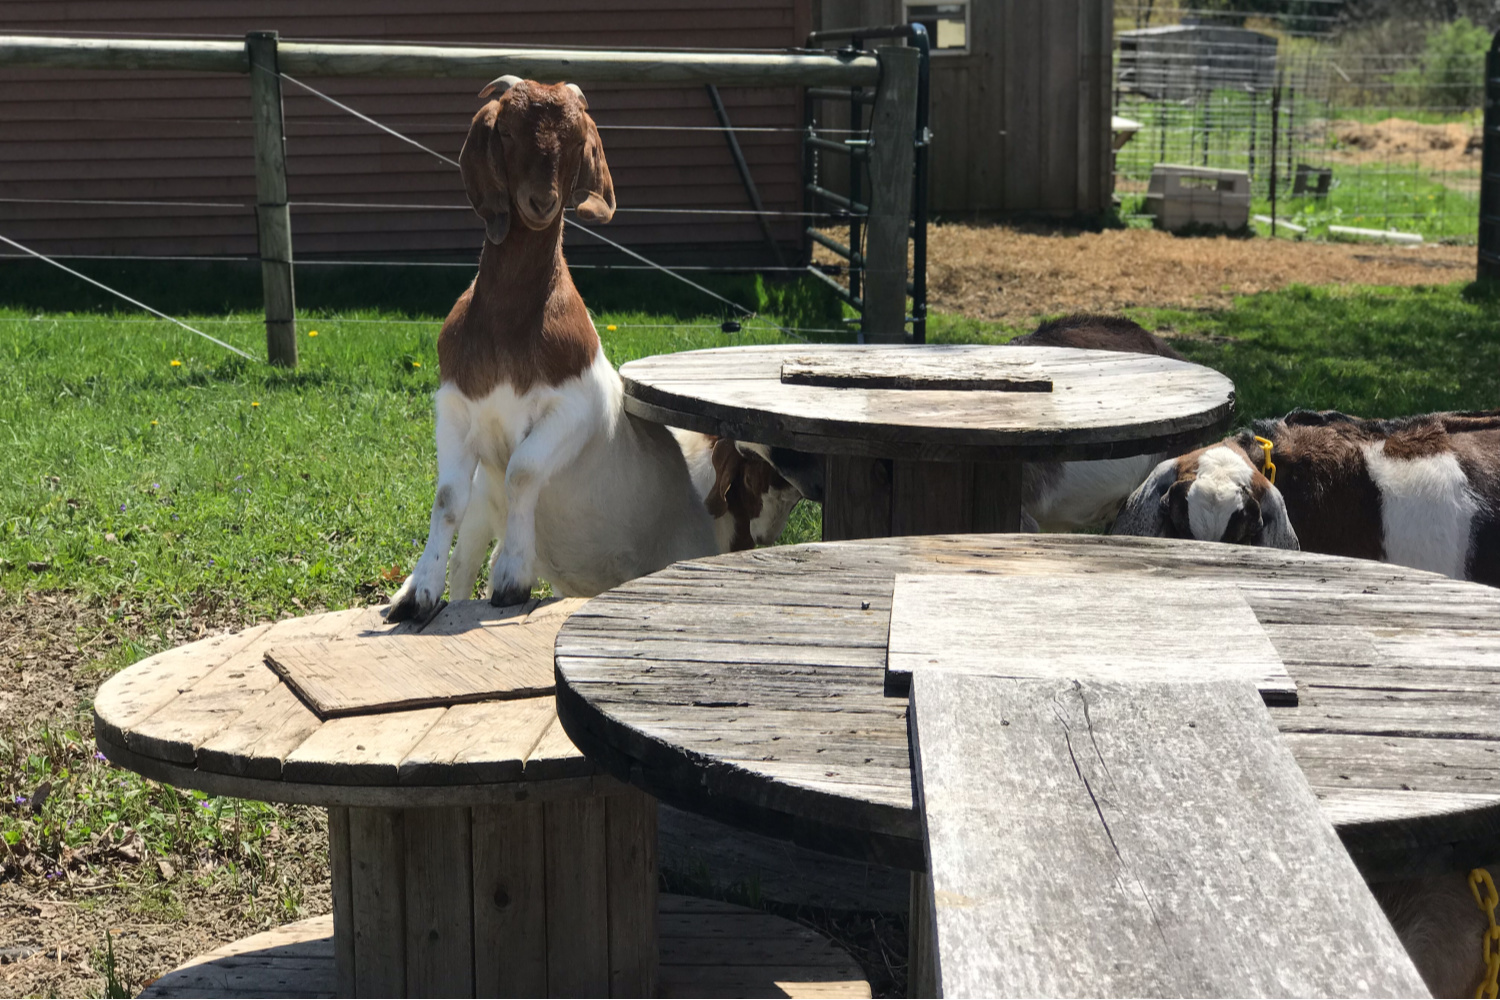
(531, 427)
(1419, 491)
(1068, 496)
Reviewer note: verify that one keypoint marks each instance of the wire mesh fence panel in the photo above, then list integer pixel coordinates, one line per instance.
(1329, 133)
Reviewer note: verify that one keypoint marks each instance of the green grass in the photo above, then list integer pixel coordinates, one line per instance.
(141, 459)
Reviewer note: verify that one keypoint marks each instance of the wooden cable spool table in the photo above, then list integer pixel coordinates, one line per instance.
(930, 439)
(752, 688)
(474, 850)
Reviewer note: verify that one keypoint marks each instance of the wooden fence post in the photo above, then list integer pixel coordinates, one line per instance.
(273, 221)
(892, 158)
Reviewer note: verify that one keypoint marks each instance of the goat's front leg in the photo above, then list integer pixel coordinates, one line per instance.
(419, 596)
(554, 442)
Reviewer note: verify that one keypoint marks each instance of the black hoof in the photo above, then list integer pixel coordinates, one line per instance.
(403, 611)
(507, 598)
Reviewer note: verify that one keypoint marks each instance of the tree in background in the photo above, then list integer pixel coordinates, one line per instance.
(1449, 72)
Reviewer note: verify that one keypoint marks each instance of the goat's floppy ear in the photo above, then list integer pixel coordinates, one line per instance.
(483, 167)
(727, 462)
(594, 192)
(1143, 513)
(1276, 527)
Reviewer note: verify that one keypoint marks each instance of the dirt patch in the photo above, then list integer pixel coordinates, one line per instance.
(160, 895)
(1013, 275)
(1450, 146)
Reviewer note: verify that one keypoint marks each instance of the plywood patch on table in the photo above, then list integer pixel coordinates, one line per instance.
(1140, 625)
(469, 652)
(904, 371)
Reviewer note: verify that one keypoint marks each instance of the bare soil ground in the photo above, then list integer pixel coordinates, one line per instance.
(160, 906)
(1449, 146)
(1014, 274)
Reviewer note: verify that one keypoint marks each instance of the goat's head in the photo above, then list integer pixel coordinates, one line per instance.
(751, 493)
(1215, 494)
(534, 149)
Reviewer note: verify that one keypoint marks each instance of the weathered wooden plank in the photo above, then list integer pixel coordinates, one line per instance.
(440, 947)
(377, 853)
(217, 700)
(555, 756)
(1159, 800)
(986, 373)
(259, 739)
(132, 696)
(631, 885)
(341, 876)
(1116, 629)
(359, 750)
(415, 670)
(856, 497)
(484, 742)
(577, 899)
(510, 892)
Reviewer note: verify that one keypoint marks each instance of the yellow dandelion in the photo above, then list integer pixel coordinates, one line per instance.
(611, 328)
(153, 423)
(254, 403)
(176, 363)
(312, 333)
(416, 364)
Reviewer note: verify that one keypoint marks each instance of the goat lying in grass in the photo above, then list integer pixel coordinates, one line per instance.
(533, 441)
(1419, 491)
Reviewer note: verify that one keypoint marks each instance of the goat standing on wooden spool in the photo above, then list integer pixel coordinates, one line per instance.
(531, 433)
(533, 441)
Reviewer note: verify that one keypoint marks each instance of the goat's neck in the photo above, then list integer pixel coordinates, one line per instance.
(522, 322)
(520, 277)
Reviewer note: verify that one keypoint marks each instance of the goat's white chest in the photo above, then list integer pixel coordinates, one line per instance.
(492, 427)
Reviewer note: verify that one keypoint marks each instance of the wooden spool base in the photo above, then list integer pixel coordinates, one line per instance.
(708, 949)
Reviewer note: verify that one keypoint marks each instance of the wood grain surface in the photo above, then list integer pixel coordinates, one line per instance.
(750, 687)
(1148, 838)
(1102, 404)
(887, 370)
(469, 652)
(1114, 627)
(212, 715)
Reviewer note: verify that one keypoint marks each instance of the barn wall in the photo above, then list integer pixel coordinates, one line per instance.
(186, 137)
(1021, 121)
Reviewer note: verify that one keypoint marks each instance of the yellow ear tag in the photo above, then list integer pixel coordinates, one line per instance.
(1270, 470)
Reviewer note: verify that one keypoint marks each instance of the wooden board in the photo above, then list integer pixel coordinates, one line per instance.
(1119, 627)
(761, 956)
(750, 687)
(1133, 838)
(469, 652)
(1102, 405)
(904, 372)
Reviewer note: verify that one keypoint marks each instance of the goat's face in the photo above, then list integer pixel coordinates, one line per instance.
(751, 494)
(1215, 494)
(534, 150)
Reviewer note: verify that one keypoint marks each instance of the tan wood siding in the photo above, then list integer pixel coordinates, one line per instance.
(186, 137)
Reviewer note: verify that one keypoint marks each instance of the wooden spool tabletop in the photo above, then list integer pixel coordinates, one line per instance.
(751, 687)
(935, 402)
(214, 715)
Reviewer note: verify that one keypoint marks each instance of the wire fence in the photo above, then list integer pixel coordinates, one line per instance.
(1328, 132)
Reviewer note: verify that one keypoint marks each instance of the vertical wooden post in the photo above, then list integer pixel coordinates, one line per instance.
(892, 156)
(273, 220)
